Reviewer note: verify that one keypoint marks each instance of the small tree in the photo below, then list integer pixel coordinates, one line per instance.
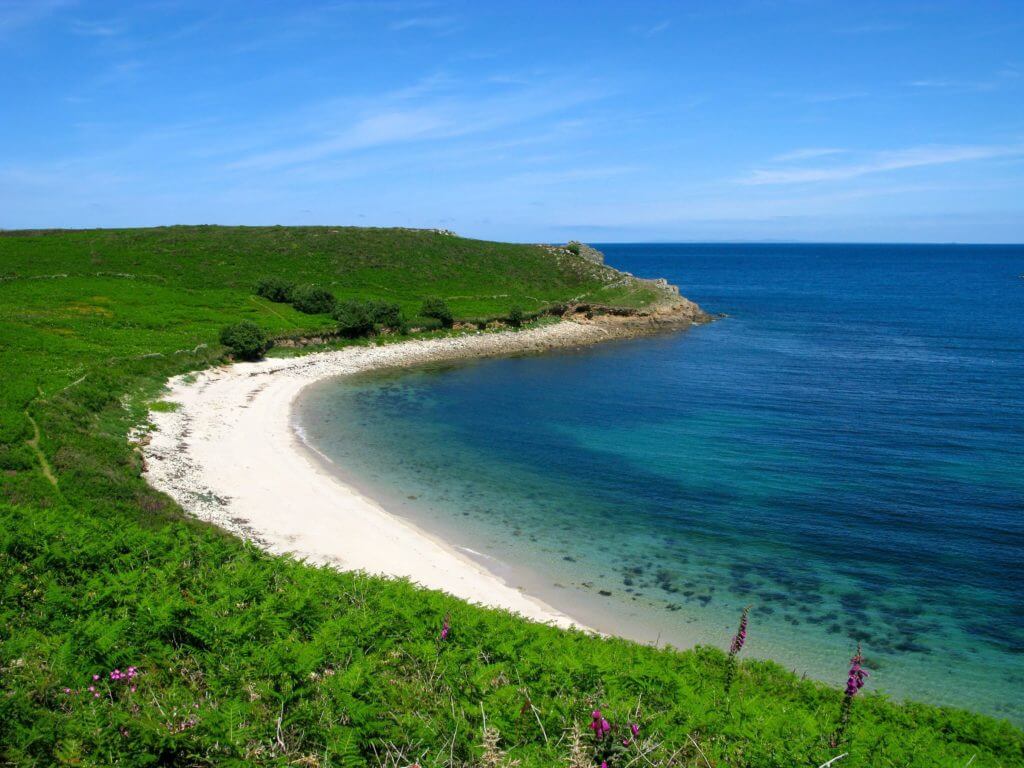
(354, 319)
(439, 310)
(516, 316)
(275, 289)
(313, 300)
(245, 340)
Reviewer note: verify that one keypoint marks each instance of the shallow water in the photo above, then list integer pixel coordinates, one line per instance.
(843, 453)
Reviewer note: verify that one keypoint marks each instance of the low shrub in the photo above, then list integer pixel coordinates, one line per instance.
(573, 247)
(275, 289)
(439, 310)
(385, 313)
(516, 316)
(245, 340)
(354, 318)
(427, 324)
(313, 300)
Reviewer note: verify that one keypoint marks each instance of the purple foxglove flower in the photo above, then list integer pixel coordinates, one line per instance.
(858, 674)
(741, 635)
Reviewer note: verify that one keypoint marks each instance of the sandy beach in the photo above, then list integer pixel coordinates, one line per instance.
(229, 454)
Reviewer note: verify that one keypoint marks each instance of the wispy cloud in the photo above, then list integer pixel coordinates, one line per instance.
(415, 115)
(1007, 76)
(881, 162)
(15, 14)
(958, 85)
(652, 29)
(808, 153)
(873, 29)
(86, 28)
(391, 127)
(436, 24)
(568, 175)
(439, 81)
(820, 97)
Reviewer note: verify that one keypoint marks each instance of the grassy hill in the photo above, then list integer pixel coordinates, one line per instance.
(239, 658)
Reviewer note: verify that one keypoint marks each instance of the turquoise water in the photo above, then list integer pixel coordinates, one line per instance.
(843, 453)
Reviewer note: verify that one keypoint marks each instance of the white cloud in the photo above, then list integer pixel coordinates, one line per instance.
(880, 162)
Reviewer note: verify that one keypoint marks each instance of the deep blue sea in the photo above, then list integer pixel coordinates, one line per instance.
(844, 453)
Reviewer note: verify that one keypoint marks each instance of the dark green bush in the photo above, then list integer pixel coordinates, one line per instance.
(437, 309)
(385, 313)
(275, 289)
(354, 318)
(573, 247)
(516, 316)
(245, 340)
(313, 300)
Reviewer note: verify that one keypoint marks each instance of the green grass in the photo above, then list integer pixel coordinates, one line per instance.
(248, 659)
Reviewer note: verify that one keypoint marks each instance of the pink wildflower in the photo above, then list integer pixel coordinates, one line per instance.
(634, 731)
(735, 647)
(599, 725)
(854, 682)
(858, 674)
(741, 635)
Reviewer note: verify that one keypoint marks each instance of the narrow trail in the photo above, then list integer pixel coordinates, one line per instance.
(33, 443)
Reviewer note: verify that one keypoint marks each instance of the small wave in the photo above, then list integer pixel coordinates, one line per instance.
(304, 439)
(475, 553)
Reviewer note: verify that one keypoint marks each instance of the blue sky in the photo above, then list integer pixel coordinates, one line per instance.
(521, 121)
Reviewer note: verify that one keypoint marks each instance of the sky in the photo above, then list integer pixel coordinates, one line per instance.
(547, 121)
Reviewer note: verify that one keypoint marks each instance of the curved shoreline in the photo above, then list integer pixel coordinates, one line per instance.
(228, 454)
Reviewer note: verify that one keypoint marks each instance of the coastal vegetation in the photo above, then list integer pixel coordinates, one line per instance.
(437, 309)
(516, 316)
(133, 635)
(354, 318)
(275, 289)
(312, 300)
(244, 340)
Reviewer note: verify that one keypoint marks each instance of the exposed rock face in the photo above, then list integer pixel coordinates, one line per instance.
(576, 248)
(674, 311)
(586, 251)
(662, 284)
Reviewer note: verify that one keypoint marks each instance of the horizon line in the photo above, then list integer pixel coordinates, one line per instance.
(658, 241)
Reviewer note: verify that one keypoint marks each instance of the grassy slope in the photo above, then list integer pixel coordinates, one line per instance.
(100, 572)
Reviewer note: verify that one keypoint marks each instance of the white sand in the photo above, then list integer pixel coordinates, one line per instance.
(230, 455)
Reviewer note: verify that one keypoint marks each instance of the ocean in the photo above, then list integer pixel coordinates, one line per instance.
(844, 453)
